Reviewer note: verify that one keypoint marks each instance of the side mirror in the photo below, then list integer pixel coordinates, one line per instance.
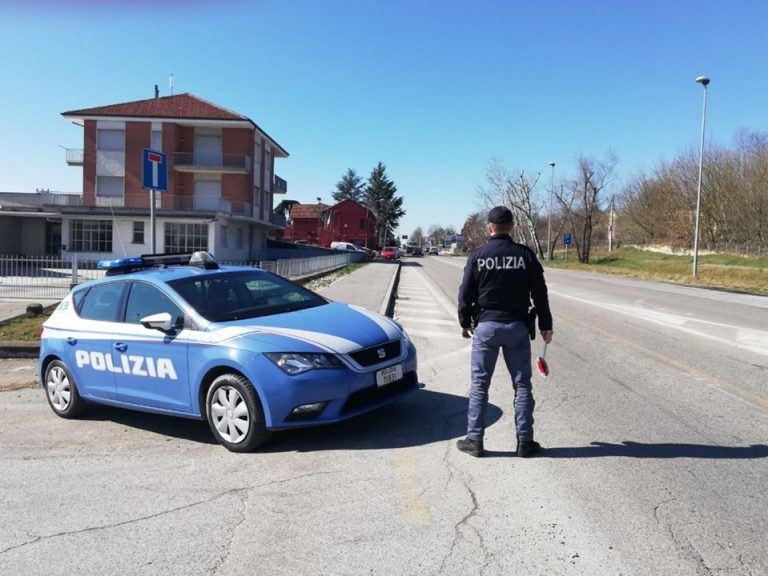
(161, 321)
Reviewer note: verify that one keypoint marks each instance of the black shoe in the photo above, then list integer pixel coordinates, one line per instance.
(470, 447)
(527, 449)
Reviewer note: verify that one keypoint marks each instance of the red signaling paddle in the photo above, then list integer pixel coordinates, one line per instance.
(541, 362)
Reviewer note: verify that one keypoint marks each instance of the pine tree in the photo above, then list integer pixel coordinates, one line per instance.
(380, 197)
(349, 187)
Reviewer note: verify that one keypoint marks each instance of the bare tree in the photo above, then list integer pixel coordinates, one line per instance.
(474, 231)
(581, 199)
(519, 194)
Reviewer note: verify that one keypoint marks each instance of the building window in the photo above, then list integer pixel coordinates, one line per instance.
(109, 186)
(90, 236)
(138, 233)
(240, 238)
(110, 139)
(362, 223)
(224, 233)
(182, 237)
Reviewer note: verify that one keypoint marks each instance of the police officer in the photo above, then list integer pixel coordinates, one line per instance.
(499, 281)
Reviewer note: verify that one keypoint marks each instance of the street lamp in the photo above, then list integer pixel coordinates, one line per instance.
(549, 217)
(703, 80)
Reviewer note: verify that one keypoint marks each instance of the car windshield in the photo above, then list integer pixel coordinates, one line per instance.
(247, 294)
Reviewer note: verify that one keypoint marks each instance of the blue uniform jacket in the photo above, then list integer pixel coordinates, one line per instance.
(500, 279)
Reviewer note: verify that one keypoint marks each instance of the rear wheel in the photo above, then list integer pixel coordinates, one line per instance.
(61, 391)
(235, 414)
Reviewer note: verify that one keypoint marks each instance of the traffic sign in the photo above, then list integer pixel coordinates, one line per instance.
(567, 239)
(155, 170)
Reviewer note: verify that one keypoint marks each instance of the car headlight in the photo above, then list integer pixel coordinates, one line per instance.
(299, 362)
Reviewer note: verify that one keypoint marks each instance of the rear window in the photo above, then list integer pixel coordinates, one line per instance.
(241, 295)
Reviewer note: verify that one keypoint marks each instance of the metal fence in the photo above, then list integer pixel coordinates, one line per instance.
(47, 279)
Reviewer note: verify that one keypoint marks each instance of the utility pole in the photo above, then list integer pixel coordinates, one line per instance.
(549, 217)
(610, 227)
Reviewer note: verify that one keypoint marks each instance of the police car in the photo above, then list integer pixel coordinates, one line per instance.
(244, 349)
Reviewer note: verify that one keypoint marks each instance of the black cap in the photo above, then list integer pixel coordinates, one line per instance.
(500, 215)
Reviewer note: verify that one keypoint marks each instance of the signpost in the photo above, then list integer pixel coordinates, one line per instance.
(566, 242)
(154, 177)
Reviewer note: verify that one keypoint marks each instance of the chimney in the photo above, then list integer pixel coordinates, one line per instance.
(157, 91)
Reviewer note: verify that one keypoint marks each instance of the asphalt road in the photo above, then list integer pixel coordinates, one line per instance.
(655, 422)
(656, 462)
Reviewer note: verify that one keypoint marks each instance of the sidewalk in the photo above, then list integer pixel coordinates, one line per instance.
(371, 286)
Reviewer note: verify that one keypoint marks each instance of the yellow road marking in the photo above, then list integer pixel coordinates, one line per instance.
(410, 487)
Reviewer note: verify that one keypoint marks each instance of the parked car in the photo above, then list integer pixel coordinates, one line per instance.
(348, 247)
(417, 251)
(433, 251)
(244, 349)
(390, 253)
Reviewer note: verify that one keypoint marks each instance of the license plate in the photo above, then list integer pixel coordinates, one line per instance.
(389, 375)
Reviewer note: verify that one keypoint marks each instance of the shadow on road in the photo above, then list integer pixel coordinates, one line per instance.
(422, 418)
(182, 428)
(629, 449)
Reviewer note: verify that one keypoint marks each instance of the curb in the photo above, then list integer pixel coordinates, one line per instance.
(388, 305)
(11, 349)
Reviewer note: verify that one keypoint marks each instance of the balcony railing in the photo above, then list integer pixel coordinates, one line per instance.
(75, 157)
(191, 162)
(279, 186)
(163, 201)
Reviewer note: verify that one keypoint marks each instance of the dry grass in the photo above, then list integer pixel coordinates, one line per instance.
(724, 271)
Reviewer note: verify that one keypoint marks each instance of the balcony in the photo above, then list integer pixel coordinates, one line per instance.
(279, 186)
(75, 157)
(229, 163)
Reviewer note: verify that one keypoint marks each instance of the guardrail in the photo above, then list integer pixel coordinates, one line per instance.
(48, 279)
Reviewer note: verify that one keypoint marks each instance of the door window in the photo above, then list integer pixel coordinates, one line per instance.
(145, 300)
(102, 302)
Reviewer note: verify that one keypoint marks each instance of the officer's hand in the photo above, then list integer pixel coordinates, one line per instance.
(466, 333)
(546, 335)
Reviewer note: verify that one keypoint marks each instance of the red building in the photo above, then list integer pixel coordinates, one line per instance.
(305, 223)
(347, 221)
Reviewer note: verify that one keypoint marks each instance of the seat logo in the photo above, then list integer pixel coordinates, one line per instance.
(382, 353)
(129, 364)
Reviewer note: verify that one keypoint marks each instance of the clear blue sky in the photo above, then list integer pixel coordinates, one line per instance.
(434, 89)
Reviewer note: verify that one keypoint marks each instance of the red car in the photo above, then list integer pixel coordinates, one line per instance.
(389, 253)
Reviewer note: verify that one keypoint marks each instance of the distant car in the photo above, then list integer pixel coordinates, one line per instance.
(417, 251)
(245, 349)
(390, 253)
(348, 247)
(433, 251)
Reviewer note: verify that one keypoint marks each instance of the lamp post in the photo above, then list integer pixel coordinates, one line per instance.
(703, 80)
(549, 217)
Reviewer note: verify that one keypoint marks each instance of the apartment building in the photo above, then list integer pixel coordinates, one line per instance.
(221, 183)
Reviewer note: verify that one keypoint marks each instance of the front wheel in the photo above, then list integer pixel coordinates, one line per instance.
(235, 414)
(61, 391)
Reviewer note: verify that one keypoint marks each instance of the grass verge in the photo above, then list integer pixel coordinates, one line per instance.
(723, 271)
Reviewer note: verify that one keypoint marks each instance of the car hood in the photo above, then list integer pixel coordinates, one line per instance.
(334, 327)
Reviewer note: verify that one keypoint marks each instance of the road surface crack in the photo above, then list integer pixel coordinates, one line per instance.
(236, 491)
(228, 548)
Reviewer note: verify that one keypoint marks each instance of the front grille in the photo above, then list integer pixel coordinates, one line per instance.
(370, 356)
(374, 394)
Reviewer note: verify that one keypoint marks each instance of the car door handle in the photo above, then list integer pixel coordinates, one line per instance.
(120, 347)
(71, 341)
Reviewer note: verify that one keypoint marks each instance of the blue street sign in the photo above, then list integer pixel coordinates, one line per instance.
(567, 239)
(155, 170)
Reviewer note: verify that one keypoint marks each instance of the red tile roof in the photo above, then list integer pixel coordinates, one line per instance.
(308, 210)
(178, 106)
(181, 106)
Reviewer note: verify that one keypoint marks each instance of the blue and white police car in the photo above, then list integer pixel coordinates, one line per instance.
(244, 349)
